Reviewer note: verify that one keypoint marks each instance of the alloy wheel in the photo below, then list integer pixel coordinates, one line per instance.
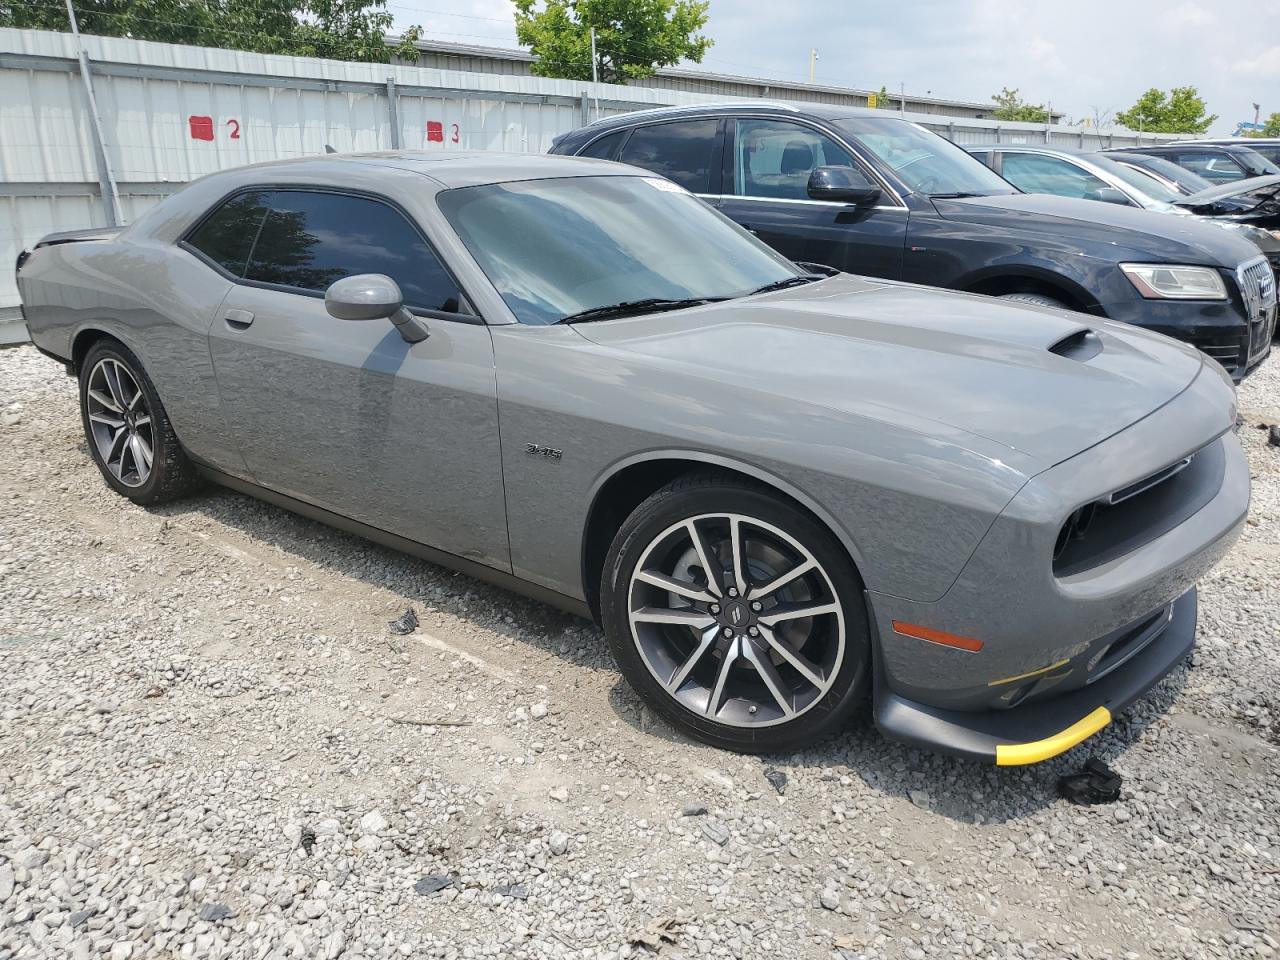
(736, 620)
(120, 421)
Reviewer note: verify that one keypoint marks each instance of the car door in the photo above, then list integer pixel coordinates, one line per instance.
(347, 415)
(766, 190)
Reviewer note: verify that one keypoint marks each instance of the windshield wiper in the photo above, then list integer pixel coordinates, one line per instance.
(632, 307)
(788, 282)
(957, 195)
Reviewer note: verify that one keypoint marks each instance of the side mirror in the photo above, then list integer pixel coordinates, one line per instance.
(373, 296)
(1109, 195)
(842, 185)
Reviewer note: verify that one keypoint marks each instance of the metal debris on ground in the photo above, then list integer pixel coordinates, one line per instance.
(307, 840)
(407, 622)
(693, 809)
(1273, 435)
(716, 832)
(517, 891)
(213, 912)
(660, 930)
(432, 883)
(777, 779)
(1097, 783)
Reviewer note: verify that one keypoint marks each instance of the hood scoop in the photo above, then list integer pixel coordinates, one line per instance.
(1082, 345)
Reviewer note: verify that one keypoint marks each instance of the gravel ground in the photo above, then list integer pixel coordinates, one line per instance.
(211, 746)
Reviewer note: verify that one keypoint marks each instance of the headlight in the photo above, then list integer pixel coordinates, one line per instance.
(1161, 282)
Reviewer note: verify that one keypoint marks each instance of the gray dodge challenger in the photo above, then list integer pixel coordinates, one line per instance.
(782, 494)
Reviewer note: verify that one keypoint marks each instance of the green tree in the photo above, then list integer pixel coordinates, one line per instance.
(1270, 129)
(882, 98)
(336, 29)
(633, 37)
(1181, 110)
(1010, 106)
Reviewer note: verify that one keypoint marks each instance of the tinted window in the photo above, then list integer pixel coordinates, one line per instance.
(684, 152)
(226, 236)
(1213, 167)
(605, 147)
(556, 247)
(1036, 173)
(773, 158)
(1270, 151)
(309, 240)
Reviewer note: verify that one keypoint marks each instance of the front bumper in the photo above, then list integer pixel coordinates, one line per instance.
(1059, 635)
(1042, 729)
(1217, 328)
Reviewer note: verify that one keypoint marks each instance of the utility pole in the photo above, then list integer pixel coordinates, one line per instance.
(902, 98)
(110, 197)
(813, 58)
(595, 70)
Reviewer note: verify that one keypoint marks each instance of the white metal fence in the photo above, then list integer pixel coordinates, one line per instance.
(172, 113)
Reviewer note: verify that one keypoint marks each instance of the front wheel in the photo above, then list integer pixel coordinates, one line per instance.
(737, 616)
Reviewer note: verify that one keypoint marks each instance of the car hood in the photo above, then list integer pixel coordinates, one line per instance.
(1252, 193)
(1108, 229)
(921, 358)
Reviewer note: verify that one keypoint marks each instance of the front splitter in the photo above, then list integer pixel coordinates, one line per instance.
(1040, 729)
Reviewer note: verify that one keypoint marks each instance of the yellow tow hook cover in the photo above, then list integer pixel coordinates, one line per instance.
(1017, 754)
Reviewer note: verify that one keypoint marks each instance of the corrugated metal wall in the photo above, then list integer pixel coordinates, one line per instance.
(172, 113)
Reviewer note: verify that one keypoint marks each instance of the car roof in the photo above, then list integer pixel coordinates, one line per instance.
(778, 108)
(1038, 147)
(449, 168)
(1230, 142)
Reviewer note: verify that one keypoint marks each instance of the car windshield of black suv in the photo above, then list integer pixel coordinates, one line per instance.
(587, 248)
(924, 161)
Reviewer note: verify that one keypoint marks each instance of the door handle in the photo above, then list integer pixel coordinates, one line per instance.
(238, 319)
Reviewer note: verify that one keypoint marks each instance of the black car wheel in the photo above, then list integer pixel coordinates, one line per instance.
(129, 434)
(736, 615)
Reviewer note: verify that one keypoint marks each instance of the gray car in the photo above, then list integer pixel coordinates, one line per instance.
(782, 494)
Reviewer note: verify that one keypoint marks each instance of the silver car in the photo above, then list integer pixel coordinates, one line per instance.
(782, 494)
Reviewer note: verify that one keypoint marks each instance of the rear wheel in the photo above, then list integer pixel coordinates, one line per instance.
(736, 616)
(128, 432)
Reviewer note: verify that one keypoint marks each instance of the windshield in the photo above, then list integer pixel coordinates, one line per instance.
(1145, 184)
(924, 161)
(560, 247)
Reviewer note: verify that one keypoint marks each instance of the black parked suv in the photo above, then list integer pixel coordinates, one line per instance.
(867, 193)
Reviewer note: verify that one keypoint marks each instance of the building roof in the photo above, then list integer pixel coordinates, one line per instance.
(769, 87)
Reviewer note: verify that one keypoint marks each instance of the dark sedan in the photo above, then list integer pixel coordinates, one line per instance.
(866, 193)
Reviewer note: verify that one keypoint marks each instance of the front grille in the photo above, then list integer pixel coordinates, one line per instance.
(1258, 287)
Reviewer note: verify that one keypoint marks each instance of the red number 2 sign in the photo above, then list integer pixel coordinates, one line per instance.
(235, 128)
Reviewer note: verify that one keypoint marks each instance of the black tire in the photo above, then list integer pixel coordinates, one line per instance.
(1039, 299)
(705, 493)
(171, 473)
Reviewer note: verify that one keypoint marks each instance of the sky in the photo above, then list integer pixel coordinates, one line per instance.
(1083, 57)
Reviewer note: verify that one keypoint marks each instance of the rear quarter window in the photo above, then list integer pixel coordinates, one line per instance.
(684, 151)
(227, 234)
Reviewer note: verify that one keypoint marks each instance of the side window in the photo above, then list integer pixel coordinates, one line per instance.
(684, 151)
(773, 158)
(311, 239)
(606, 147)
(1036, 173)
(1213, 167)
(1270, 151)
(226, 235)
